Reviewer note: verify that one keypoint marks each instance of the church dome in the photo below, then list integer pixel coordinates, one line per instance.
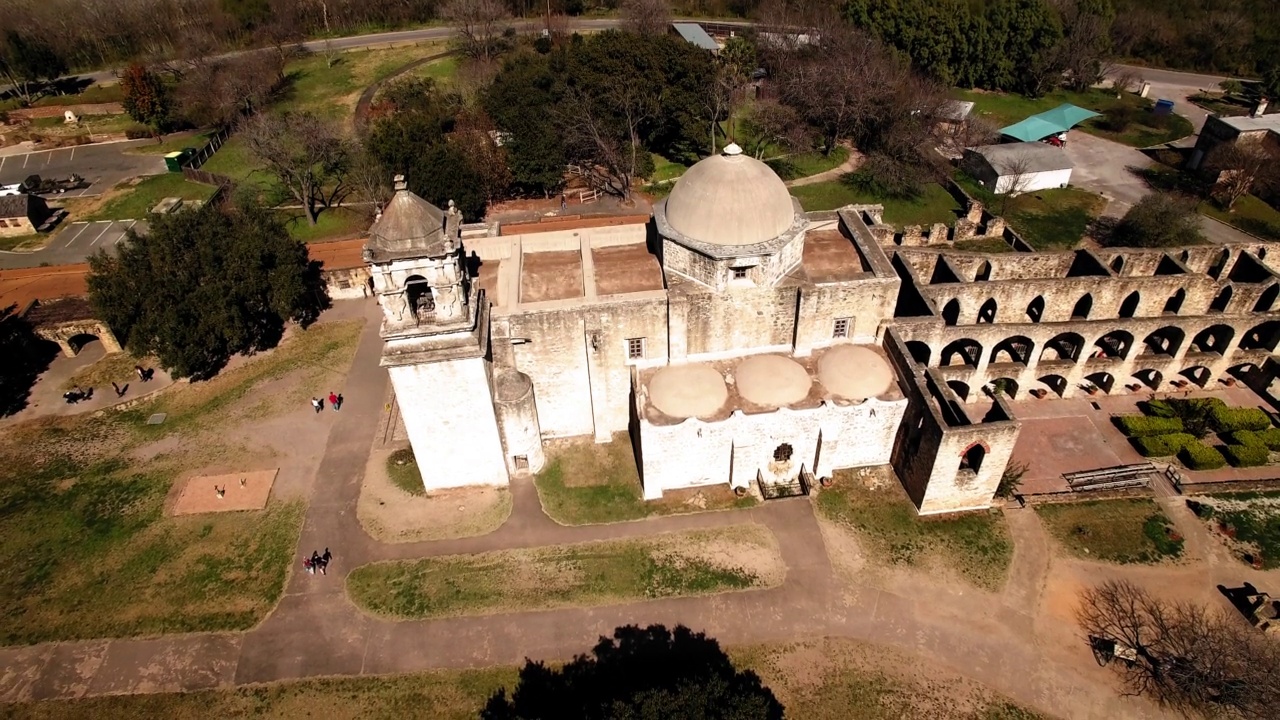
(730, 199)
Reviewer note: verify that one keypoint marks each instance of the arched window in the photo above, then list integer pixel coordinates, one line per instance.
(987, 313)
(1130, 305)
(1174, 303)
(783, 452)
(951, 312)
(1083, 306)
(1221, 302)
(984, 272)
(973, 457)
(1117, 264)
(1267, 298)
(1035, 308)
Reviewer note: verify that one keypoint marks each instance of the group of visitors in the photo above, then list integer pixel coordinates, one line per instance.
(317, 562)
(77, 394)
(335, 402)
(144, 374)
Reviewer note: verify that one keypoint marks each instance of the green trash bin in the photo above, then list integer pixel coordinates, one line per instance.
(174, 161)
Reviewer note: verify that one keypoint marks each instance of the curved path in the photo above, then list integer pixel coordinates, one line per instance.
(316, 631)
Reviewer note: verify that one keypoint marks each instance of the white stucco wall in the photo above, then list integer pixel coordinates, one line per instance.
(1034, 181)
(823, 439)
(448, 413)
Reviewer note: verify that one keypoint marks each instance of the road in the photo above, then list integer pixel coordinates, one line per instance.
(103, 165)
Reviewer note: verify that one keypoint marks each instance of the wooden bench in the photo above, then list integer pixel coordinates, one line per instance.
(1120, 476)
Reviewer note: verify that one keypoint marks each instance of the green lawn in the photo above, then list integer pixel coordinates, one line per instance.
(586, 484)
(589, 574)
(1054, 219)
(935, 204)
(332, 91)
(93, 94)
(235, 161)
(136, 201)
(1008, 108)
(664, 169)
(9, 242)
(806, 164)
(1250, 521)
(1250, 214)
(1119, 531)
(174, 142)
(332, 224)
(90, 550)
(975, 545)
(402, 468)
(984, 245)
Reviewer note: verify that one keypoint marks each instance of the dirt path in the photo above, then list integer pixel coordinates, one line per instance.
(835, 173)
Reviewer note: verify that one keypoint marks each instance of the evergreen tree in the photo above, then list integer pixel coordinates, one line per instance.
(146, 98)
(202, 285)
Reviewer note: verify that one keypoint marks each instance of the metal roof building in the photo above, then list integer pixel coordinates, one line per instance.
(694, 34)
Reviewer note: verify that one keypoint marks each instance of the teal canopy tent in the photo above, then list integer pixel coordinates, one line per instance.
(1049, 122)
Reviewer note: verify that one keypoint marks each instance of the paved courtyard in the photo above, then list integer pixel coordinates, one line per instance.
(103, 165)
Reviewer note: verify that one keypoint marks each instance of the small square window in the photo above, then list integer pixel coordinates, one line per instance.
(841, 328)
(635, 348)
(740, 273)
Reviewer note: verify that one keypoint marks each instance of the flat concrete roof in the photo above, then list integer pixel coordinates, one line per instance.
(829, 256)
(1037, 156)
(1248, 123)
(554, 275)
(626, 269)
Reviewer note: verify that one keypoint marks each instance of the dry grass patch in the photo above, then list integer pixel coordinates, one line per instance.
(113, 367)
(838, 679)
(586, 483)
(390, 513)
(829, 679)
(1120, 531)
(89, 550)
(702, 562)
(976, 546)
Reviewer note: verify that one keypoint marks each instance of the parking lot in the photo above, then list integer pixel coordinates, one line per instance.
(103, 165)
(73, 243)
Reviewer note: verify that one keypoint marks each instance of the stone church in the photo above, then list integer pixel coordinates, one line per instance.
(737, 339)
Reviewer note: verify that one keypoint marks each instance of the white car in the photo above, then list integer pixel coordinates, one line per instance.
(10, 190)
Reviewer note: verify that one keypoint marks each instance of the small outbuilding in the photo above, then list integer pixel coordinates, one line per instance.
(1018, 167)
(21, 214)
(695, 34)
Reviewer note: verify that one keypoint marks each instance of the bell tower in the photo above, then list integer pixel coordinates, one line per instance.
(436, 334)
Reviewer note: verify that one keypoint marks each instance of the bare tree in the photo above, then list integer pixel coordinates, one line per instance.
(1125, 80)
(608, 145)
(1014, 175)
(221, 92)
(646, 17)
(769, 123)
(480, 24)
(1086, 43)
(306, 153)
(476, 135)
(1182, 655)
(969, 132)
(1239, 165)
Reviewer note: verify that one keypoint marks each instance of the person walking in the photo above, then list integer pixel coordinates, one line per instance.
(308, 566)
(142, 375)
(338, 402)
(327, 556)
(563, 202)
(318, 404)
(333, 401)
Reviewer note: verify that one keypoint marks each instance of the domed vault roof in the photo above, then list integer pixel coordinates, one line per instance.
(730, 199)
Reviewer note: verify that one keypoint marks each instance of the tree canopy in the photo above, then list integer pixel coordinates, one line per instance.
(146, 98)
(639, 673)
(1158, 220)
(27, 62)
(202, 285)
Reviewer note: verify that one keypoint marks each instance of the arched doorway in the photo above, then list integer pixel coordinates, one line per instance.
(1063, 346)
(1056, 383)
(1165, 341)
(1016, 349)
(1104, 381)
(1198, 374)
(961, 352)
(1174, 303)
(1262, 336)
(972, 457)
(1005, 386)
(1115, 344)
(919, 352)
(1213, 339)
(1150, 378)
(984, 272)
(961, 389)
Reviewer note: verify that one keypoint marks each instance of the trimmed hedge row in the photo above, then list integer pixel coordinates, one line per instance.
(1246, 455)
(1244, 437)
(1161, 445)
(1198, 456)
(1137, 426)
(1270, 438)
(1228, 419)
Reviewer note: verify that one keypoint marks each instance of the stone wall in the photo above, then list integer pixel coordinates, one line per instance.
(348, 283)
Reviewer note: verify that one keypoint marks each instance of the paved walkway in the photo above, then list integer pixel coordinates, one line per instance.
(316, 631)
(835, 173)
